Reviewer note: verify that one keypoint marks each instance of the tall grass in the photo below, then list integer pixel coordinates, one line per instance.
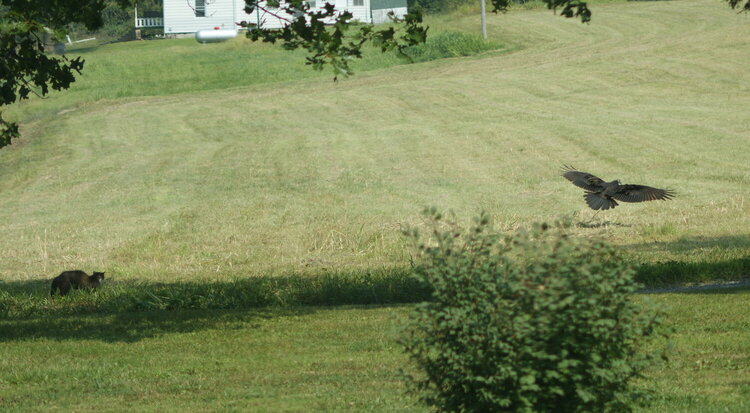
(374, 287)
(449, 44)
(24, 299)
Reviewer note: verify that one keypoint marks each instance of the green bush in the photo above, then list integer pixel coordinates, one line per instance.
(534, 321)
(440, 6)
(449, 44)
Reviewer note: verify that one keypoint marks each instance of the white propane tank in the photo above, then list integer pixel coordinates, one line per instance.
(212, 36)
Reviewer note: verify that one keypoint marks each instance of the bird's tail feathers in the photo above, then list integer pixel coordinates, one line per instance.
(597, 201)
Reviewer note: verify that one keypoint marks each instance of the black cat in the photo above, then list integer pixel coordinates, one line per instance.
(76, 279)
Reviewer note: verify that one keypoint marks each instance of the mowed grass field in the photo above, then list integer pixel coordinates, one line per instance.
(203, 168)
(297, 177)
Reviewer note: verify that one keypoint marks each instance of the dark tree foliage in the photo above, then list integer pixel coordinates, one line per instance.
(323, 32)
(738, 4)
(568, 8)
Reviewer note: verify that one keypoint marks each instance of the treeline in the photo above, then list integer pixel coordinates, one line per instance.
(118, 22)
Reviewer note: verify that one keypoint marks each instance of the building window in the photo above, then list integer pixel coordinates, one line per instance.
(200, 8)
(358, 2)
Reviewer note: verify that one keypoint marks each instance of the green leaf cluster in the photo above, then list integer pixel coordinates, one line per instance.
(326, 35)
(743, 5)
(568, 8)
(532, 321)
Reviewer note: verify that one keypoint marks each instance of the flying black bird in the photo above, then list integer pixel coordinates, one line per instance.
(604, 195)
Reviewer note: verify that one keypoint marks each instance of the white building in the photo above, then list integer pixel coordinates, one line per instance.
(190, 16)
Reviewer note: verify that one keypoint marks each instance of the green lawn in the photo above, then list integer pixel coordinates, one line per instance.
(310, 359)
(709, 370)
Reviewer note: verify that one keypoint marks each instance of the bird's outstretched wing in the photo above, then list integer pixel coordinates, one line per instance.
(582, 179)
(640, 193)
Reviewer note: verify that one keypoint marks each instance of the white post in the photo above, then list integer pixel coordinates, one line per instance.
(484, 22)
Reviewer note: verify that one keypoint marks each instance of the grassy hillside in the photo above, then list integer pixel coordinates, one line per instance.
(182, 66)
(238, 178)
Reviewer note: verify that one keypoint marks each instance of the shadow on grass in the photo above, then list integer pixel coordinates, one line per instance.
(740, 287)
(717, 291)
(601, 224)
(20, 299)
(132, 327)
(682, 272)
(31, 298)
(689, 244)
(679, 272)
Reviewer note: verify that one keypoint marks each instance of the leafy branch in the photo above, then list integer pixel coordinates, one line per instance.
(331, 37)
(735, 4)
(569, 8)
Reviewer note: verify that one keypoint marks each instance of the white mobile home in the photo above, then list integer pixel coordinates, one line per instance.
(190, 16)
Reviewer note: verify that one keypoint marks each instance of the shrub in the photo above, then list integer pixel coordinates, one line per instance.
(449, 44)
(534, 321)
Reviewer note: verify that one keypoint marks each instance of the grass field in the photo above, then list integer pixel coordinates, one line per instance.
(232, 176)
(309, 176)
